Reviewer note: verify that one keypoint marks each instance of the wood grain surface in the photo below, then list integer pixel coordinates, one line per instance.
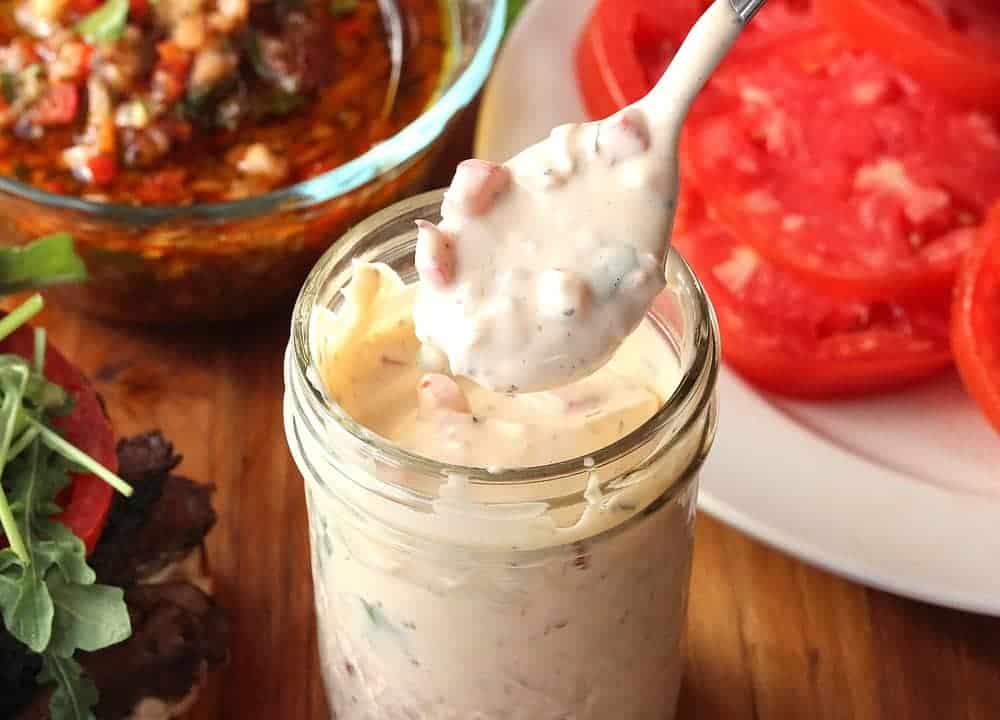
(769, 638)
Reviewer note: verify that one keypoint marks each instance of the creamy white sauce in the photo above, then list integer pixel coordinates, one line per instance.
(542, 266)
(371, 369)
(589, 631)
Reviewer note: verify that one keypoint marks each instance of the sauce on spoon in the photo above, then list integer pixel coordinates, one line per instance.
(543, 265)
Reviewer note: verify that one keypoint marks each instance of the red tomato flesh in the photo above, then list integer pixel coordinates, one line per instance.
(138, 9)
(82, 7)
(792, 339)
(87, 501)
(104, 168)
(59, 104)
(837, 166)
(624, 47)
(953, 45)
(976, 320)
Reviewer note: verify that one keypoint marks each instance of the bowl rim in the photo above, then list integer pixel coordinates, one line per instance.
(377, 160)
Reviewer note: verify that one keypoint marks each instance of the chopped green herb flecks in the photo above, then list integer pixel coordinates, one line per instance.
(374, 613)
(251, 43)
(341, 8)
(8, 87)
(276, 103)
(514, 8)
(75, 694)
(105, 24)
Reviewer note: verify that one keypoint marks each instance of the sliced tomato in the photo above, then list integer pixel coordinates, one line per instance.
(790, 338)
(839, 167)
(953, 45)
(138, 9)
(624, 47)
(59, 104)
(777, 20)
(976, 320)
(82, 7)
(627, 44)
(86, 58)
(87, 501)
(103, 168)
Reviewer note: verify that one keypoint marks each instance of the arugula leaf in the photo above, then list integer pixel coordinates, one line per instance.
(8, 585)
(42, 262)
(29, 617)
(75, 694)
(105, 24)
(62, 550)
(16, 318)
(13, 394)
(87, 617)
(83, 461)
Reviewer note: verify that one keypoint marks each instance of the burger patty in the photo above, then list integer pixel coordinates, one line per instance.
(178, 632)
(165, 519)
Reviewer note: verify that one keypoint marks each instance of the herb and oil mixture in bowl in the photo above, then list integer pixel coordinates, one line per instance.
(204, 153)
(194, 101)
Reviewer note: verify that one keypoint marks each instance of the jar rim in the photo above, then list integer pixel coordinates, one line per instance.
(687, 403)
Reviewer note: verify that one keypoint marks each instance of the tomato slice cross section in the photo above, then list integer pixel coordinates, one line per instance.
(976, 320)
(839, 167)
(87, 501)
(790, 338)
(627, 44)
(953, 45)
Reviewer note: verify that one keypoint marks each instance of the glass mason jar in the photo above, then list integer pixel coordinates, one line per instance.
(457, 593)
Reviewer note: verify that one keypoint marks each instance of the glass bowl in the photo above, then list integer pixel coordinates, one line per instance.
(221, 261)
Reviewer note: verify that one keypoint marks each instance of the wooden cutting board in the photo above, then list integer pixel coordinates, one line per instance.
(769, 638)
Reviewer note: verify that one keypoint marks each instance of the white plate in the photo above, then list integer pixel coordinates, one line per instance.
(901, 492)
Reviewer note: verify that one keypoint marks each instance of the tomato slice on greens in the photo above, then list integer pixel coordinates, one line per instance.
(952, 45)
(976, 320)
(87, 501)
(837, 166)
(789, 338)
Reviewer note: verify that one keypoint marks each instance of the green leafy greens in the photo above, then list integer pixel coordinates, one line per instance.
(49, 597)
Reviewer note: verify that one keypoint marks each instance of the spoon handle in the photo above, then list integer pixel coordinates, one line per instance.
(746, 9)
(703, 49)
